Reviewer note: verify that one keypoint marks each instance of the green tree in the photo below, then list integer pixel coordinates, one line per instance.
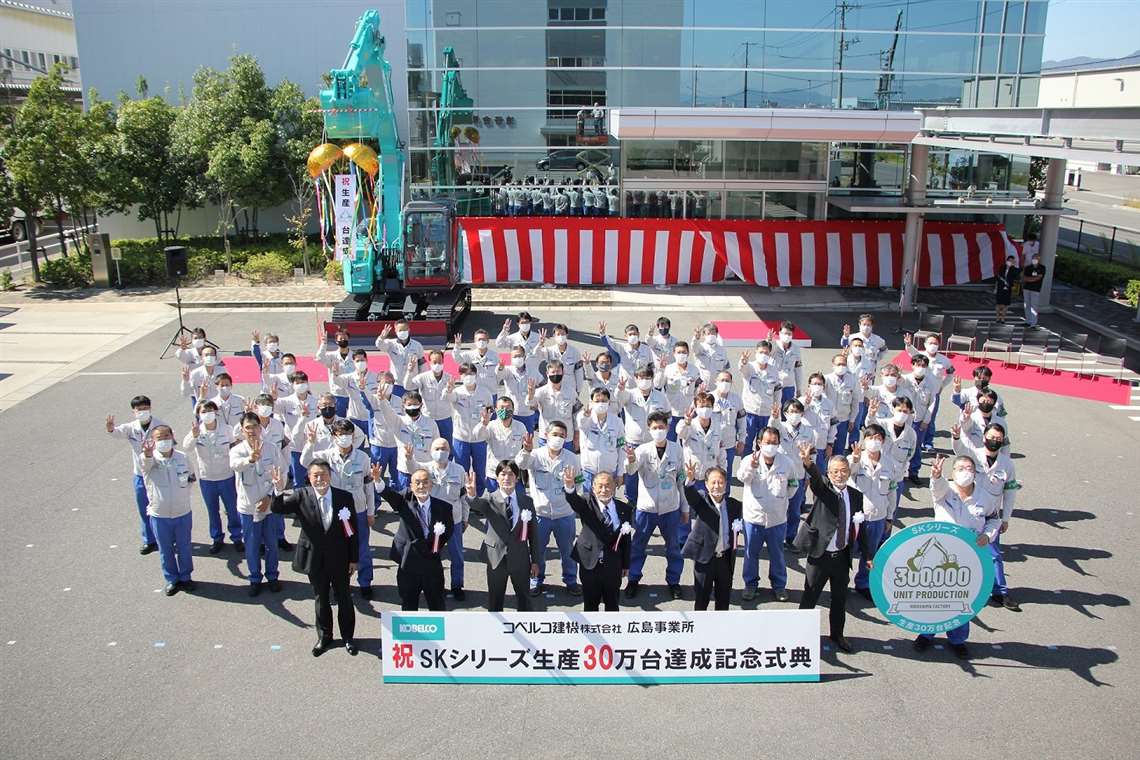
(97, 176)
(150, 175)
(299, 127)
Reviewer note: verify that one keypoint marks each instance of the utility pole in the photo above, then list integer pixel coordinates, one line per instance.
(844, 6)
(747, 47)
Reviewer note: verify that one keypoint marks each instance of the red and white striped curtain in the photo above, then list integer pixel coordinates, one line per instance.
(604, 251)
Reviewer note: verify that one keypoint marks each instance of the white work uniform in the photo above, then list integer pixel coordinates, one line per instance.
(702, 445)
(878, 482)
(507, 341)
(762, 387)
(418, 432)
(638, 406)
(978, 511)
(486, 364)
(546, 490)
(767, 489)
(631, 358)
(601, 442)
(254, 479)
(556, 405)
(399, 355)
(350, 472)
(167, 482)
(504, 442)
(437, 400)
(468, 406)
(660, 473)
(998, 478)
(337, 364)
(710, 359)
(134, 434)
(210, 451)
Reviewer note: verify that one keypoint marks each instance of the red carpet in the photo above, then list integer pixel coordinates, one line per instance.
(747, 333)
(1063, 383)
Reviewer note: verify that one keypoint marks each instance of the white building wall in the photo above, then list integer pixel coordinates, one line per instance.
(1120, 87)
(39, 34)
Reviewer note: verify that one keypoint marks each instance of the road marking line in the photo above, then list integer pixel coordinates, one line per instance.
(274, 647)
(160, 645)
(1135, 419)
(112, 643)
(67, 588)
(29, 546)
(1120, 408)
(10, 643)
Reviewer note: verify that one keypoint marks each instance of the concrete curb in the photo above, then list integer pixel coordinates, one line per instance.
(579, 305)
(1096, 327)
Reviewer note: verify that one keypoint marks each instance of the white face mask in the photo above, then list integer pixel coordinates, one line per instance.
(704, 412)
(343, 441)
(142, 415)
(794, 418)
(198, 343)
(857, 351)
(681, 358)
(469, 381)
(658, 434)
(481, 344)
(208, 417)
(900, 418)
(166, 445)
(401, 334)
(264, 411)
(920, 372)
(555, 442)
(633, 340)
(890, 381)
(710, 339)
(524, 327)
(518, 362)
(436, 368)
(209, 360)
(602, 407)
(560, 339)
(224, 391)
(841, 370)
(271, 347)
(769, 449)
(439, 456)
(963, 478)
(816, 391)
(932, 349)
(288, 369)
(361, 366)
(762, 360)
(644, 383)
(301, 388)
(865, 329)
(723, 386)
(874, 445)
(785, 338)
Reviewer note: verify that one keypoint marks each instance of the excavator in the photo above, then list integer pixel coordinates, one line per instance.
(409, 266)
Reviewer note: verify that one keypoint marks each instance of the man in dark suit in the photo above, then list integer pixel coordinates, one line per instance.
(602, 548)
(327, 549)
(830, 533)
(712, 542)
(426, 525)
(510, 540)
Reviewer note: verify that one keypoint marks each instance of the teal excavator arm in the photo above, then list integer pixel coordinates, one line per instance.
(454, 109)
(358, 105)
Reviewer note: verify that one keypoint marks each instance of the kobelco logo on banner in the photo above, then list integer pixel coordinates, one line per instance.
(931, 577)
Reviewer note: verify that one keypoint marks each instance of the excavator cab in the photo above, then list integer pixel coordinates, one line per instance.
(429, 246)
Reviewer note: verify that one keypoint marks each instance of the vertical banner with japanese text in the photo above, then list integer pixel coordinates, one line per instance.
(735, 646)
(344, 213)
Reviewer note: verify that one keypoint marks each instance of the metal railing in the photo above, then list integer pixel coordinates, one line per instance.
(1112, 242)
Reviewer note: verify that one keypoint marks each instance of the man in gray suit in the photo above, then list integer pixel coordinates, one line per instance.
(510, 537)
(713, 541)
(602, 547)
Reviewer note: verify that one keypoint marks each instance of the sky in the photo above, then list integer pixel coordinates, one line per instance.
(1095, 28)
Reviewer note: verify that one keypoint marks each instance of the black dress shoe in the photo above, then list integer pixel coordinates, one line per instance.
(239, 547)
(675, 591)
(274, 585)
(574, 589)
(864, 592)
(457, 592)
(188, 585)
(536, 590)
(961, 651)
(842, 644)
(350, 647)
(1011, 605)
(170, 589)
(366, 593)
(321, 645)
(215, 547)
(631, 589)
(913, 480)
(148, 549)
(284, 545)
(790, 548)
(921, 644)
(254, 589)
(781, 594)
(997, 600)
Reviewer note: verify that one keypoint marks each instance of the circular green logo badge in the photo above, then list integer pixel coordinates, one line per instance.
(931, 577)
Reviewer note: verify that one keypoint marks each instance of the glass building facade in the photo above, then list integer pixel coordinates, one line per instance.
(532, 68)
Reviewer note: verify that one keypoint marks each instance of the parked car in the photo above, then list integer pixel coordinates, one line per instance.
(18, 226)
(572, 158)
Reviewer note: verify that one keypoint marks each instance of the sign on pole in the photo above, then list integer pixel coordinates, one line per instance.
(344, 215)
(931, 577)
(737, 646)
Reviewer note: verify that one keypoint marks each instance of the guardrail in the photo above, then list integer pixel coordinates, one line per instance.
(1107, 241)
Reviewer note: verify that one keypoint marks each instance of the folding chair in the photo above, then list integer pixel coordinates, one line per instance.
(1110, 353)
(929, 324)
(1000, 337)
(965, 333)
(1073, 346)
(1038, 343)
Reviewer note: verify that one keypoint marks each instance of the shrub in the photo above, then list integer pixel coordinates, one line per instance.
(1098, 276)
(334, 272)
(6, 282)
(66, 272)
(267, 268)
(145, 264)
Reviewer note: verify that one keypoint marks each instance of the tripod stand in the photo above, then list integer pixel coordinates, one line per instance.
(176, 341)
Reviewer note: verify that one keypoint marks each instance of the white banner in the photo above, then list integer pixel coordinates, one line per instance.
(344, 212)
(733, 646)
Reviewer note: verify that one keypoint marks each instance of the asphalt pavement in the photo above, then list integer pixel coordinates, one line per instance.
(95, 662)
